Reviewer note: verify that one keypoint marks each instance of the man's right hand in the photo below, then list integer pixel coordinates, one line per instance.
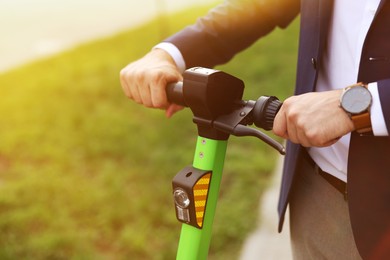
(145, 80)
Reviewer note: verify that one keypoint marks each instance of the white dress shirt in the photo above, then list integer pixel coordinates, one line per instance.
(348, 29)
(347, 32)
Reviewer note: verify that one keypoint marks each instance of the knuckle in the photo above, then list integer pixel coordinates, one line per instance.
(137, 76)
(316, 137)
(287, 103)
(122, 73)
(293, 115)
(313, 136)
(301, 124)
(277, 131)
(159, 78)
(126, 73)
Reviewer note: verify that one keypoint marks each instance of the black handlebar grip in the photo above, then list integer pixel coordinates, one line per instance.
(175, 93)
(265, 110)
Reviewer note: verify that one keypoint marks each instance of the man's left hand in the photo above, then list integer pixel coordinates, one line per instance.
(313, 119)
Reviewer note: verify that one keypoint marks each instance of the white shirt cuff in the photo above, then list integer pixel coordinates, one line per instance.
(377, 119)
(175, 54)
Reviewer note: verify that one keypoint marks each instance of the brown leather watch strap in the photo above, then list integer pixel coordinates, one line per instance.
(362, 123)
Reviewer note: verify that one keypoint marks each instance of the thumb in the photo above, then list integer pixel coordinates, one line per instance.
(172, 109)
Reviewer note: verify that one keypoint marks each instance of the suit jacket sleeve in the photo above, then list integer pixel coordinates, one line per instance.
(230, 28)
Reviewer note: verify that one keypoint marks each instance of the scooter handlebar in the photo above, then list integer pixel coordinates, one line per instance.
(175, 93)
(260, 113)
(264, 110)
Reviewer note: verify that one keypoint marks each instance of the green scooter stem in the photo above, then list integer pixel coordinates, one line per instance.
(194, 243)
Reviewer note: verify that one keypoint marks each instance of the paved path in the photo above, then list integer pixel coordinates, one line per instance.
(265, 242)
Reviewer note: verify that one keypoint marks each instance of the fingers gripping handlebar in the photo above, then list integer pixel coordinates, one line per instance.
(215, 99)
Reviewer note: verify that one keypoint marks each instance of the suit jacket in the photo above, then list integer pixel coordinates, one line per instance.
(235, 25)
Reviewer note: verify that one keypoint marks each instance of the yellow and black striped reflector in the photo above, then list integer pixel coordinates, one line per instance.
(200, 190)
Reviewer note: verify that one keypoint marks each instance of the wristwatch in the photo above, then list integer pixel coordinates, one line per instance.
(356, 101)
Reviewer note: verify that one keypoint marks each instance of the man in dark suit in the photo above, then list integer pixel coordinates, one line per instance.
(336, 175)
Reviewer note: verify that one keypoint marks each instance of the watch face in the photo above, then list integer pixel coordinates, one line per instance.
(356, 100)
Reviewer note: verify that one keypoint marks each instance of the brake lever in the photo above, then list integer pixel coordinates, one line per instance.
(241, 130)
(235, 123)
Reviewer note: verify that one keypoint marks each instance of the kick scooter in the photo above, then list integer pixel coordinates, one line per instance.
(215, 99)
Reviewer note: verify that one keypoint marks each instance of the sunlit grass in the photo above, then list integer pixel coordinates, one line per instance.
(86, 174)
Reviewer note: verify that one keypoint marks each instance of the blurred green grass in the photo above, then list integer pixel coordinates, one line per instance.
(86, 174)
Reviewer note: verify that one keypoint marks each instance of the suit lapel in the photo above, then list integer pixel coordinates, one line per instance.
(380, 6)
(325, 14)
(325, 11)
